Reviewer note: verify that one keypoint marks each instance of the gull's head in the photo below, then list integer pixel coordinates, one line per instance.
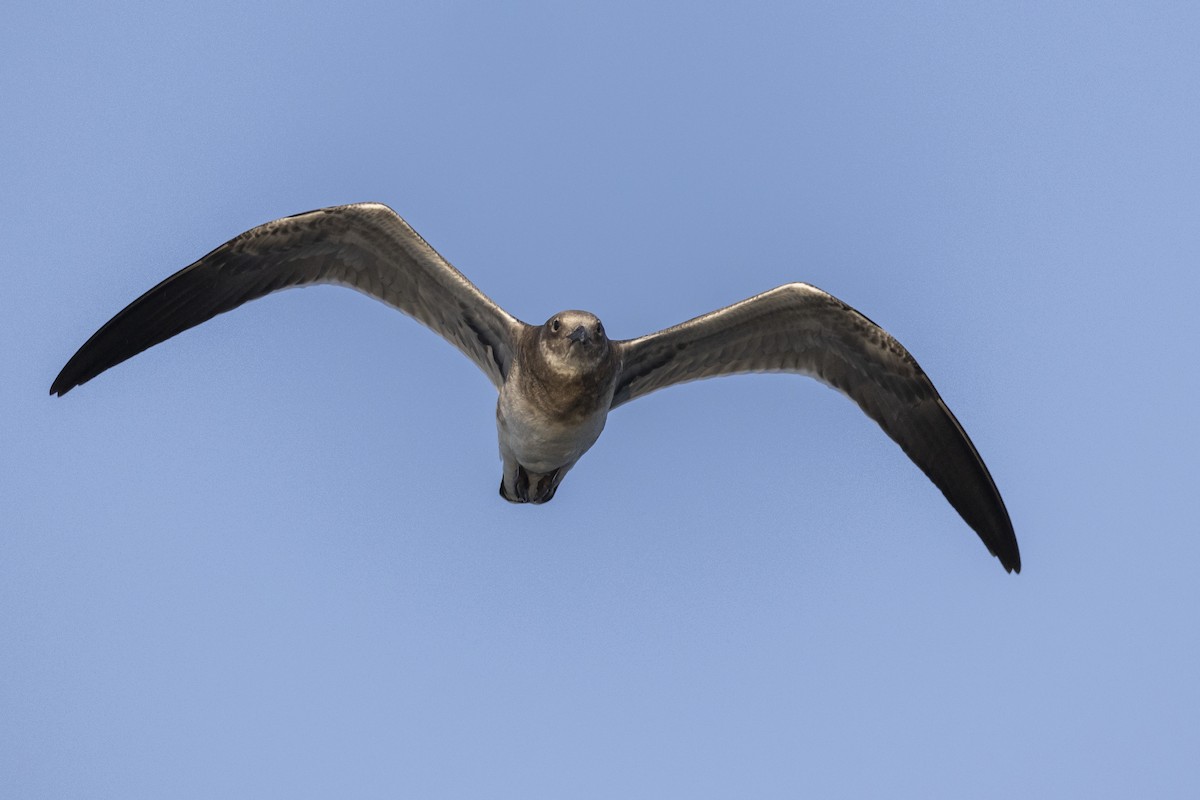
(573, 340)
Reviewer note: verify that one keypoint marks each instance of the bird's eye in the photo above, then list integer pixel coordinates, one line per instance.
(555, 325)
(599, 329)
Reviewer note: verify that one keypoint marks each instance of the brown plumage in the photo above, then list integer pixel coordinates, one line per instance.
(558, 381)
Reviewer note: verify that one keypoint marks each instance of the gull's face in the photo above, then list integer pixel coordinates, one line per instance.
(573, 339)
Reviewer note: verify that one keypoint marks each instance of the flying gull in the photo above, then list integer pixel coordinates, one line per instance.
(558, 381)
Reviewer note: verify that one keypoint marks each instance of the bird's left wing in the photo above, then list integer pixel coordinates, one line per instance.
(799, 328)
(365, 246)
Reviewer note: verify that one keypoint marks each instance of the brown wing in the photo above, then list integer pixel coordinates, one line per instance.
(799, 328)
(366, 246)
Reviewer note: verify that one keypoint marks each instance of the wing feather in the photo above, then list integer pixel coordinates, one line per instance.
(365, 246)
(799, 328)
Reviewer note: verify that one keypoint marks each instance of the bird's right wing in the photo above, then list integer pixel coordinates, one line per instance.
(365, 246)
(801, 329)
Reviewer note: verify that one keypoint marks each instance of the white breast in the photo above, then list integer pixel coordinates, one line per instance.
(538, 442)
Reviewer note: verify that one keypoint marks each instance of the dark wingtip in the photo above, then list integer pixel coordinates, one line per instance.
(67, 379)
(60, 387)
(1009, 551)
(1013, 562)
(1006, 551)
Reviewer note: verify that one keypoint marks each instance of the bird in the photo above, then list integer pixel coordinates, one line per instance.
(558, 381)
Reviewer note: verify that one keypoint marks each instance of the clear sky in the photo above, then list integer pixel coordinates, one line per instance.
(268, 558)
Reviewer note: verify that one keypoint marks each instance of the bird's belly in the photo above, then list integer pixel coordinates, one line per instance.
(539, 442)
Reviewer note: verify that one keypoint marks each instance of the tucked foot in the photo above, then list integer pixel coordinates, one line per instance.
(547, 485)
(532, 488)
(506, 495)
(520, 493)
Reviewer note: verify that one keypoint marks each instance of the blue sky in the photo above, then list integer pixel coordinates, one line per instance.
(268, 557)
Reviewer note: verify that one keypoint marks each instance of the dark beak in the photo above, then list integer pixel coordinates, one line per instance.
(580, 335)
